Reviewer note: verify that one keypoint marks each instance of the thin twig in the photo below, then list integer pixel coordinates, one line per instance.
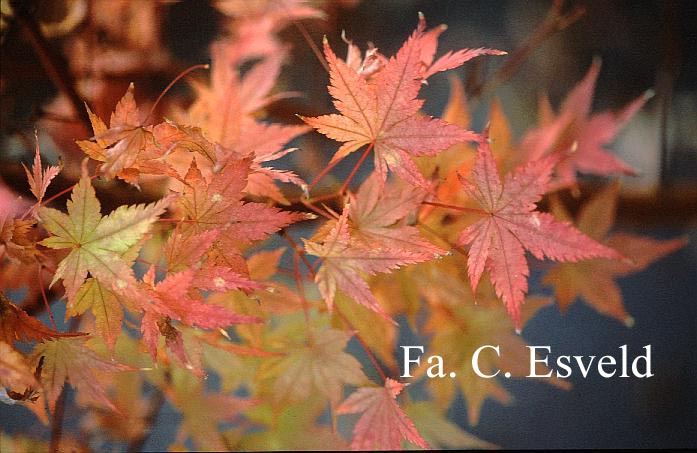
(52, 62)
(311, 43)
(555, 21)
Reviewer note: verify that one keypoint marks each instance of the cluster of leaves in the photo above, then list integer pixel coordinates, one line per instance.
(168, 292)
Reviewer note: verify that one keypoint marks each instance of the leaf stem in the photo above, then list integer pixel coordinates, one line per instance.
(299, 251)
(322, 174)
(311, 43)
(171, 84)
(364, 156)
(45, 299)
(365, 347)
(457, 208)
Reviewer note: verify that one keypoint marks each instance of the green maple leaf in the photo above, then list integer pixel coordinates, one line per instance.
(316, 364)
(100, 246)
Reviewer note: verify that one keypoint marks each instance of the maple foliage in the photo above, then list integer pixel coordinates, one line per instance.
(16, 325)
(216, 262)
(100, 246)
(70, 359)
(579, 137)
(381, 112)
(511, 225)
(383, 424)
(594, 280)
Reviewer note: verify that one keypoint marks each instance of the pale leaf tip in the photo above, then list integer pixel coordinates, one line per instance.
(518, 331)
(648, 94)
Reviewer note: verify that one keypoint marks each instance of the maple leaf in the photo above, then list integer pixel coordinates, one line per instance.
(318, 363)
(383, 424)
(438, 431)
(224, 110)
(579, 137)
(97, 244)
(217, 204)
(104, 304)
(203, 411)
(256, 22)
(16, 325)
(38, 178)
(594, 280)
(293, 428)
(458, 323)
(511, 224)
(264, 143)
(72, 360)
(382, 113)
(14, 370)
(175, 300)
(377, 219)
(121, 144)
(343, 262)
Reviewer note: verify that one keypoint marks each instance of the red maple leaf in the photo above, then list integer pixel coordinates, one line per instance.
(511, 224)
(383, 424)
(216, 204)
(17, 325)
(382, 112)
(345, 261)
(579, 137)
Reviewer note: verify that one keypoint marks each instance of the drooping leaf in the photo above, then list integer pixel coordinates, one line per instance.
(383, 424)
(16, 325)
(72, 360)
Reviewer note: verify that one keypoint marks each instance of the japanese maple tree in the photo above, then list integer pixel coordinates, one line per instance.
(294, 300)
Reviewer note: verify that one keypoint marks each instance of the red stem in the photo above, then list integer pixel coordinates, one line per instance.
(371, 356)
(356, 167)
(171, 84)
(50, 199)
(322, 174)
(457, 208)
(45, 299)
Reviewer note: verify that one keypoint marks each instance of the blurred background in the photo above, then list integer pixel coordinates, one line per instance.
(55, 53)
